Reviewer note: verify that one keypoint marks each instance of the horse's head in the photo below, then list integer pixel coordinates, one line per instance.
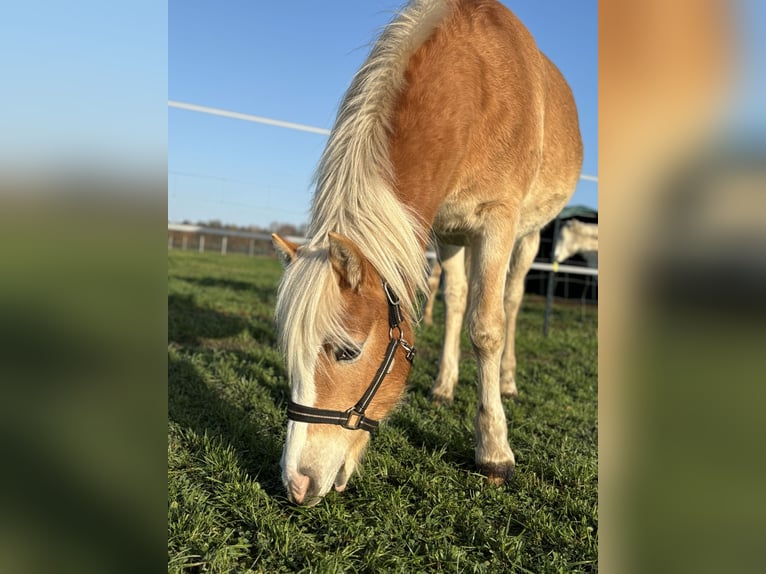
(577, 237)
(334, 320)
(565, 244)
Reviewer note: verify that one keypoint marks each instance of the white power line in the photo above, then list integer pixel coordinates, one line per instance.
(273, 122)
(247, 117)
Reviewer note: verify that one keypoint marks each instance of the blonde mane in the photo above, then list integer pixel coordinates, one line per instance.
(355, 197)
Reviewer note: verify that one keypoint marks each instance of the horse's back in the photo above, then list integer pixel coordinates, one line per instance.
(486, 126)
(562, 154)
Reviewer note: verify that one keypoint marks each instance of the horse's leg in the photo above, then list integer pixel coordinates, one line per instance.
(486, 325)
(455, 293)
(433, 287)
(524, 254)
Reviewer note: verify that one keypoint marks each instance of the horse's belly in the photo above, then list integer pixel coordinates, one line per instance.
(457, 222)
(461, 218)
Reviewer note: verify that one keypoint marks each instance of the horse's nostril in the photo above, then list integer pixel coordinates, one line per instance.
(298, 486)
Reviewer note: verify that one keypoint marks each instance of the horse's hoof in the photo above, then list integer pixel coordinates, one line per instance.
(441, 400)
(498, 473)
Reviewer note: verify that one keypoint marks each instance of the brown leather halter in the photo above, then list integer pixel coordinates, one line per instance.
(354, 417)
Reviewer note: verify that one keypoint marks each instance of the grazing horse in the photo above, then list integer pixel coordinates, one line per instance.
(456, 124)
(577, 237)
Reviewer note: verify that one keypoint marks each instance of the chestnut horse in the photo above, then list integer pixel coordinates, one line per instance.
(456, 124)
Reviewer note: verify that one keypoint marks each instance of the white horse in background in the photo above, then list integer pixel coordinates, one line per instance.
(576, 237)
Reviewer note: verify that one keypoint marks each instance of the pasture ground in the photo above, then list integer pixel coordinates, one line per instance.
(418, 505)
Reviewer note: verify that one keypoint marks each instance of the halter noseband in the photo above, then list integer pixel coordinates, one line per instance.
(354, 418)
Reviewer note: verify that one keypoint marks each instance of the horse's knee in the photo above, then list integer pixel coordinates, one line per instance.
(487, 337)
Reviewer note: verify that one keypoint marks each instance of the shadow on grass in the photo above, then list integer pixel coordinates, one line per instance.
(193, 404)
(263, 332)
(266, 293)
(267, 368)
(188, 323)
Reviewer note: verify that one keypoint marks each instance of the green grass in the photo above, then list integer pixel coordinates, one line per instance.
(418, 504)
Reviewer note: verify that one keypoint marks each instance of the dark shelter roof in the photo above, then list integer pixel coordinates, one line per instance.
(568, 286)
(579, 212)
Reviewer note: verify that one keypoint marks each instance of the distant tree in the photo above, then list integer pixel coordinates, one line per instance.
(283, 228)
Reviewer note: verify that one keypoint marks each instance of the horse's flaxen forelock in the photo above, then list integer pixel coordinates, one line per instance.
(309, 312)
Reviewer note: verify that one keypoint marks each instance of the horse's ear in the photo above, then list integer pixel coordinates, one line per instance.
(346, 260)
(285, 248)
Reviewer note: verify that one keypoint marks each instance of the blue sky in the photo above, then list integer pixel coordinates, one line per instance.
(747, 113)
(83, 82)
(293, 61)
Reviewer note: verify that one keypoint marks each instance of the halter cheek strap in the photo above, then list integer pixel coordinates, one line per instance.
(354, 417)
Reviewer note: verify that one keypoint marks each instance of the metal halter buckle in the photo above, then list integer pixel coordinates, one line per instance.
(349, 414)
(390, 295)
(395, 317)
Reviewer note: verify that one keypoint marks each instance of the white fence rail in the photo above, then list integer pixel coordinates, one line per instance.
(186, 229)
(558, 268)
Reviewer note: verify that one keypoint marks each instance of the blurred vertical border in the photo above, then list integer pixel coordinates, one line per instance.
(682, 148)
(83, 330)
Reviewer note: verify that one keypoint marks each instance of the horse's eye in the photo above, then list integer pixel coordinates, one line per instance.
(346, 354)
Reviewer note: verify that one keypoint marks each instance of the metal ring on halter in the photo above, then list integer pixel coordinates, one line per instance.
(400, 338)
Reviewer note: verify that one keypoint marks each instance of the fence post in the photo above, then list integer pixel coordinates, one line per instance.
(184, 241)
(224, 241)
(551, 282)
(251, 250)
(201, 243)
(170, 241)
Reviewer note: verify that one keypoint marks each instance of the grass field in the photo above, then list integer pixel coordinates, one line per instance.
(418, 504)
